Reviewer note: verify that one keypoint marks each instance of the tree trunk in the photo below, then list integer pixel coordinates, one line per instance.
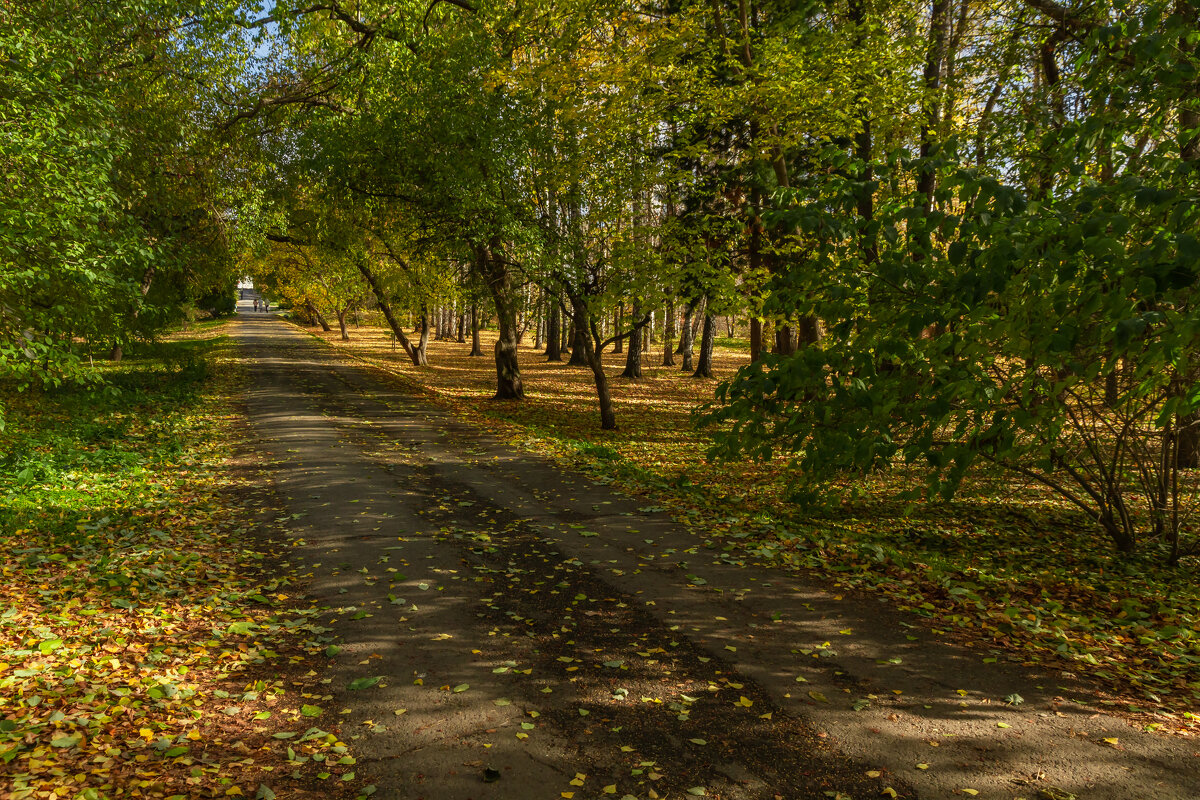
(317, 315)
(386, 308)
(461, 324)
(927, 177)
(553, 332)
(539, 325)
(704, 365)
(686, 340)
(422, 348)
(756, 338)
(579, 356)
(341, 318)
(808, 330)
(499, 281)
(618, 317)
(783, 340)
(633, 361)
(589, 345)
(669, 334)
(476, 349)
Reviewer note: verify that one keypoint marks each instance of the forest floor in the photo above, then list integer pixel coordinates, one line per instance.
(513, 628)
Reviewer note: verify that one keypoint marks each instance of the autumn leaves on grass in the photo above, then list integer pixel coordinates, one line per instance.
(142, 642)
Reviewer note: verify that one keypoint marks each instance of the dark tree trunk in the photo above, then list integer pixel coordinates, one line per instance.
(783, 340)
(317, 315)
(669, 334)
(386, 308)
(579, 356)
(618, 318)
(756, 338)
(499, 281)
(633, 361)
(808, 330)
(462, 327)
(476, 349)
(341, 318)
(553, 332)
(704, 365)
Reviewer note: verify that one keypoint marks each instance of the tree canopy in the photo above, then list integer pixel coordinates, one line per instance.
(969, 228)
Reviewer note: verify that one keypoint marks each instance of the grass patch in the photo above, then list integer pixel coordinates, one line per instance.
(143, 632)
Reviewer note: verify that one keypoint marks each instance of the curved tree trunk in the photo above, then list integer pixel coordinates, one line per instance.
(147, 278)
(317, 315)
(589, 345)
(685, 329)
(341, 318)
(386, 308)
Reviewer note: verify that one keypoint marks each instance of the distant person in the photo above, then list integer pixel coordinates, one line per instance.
(266, 306)
(256, 304)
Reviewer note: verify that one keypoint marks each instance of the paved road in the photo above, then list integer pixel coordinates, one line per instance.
(608, 651)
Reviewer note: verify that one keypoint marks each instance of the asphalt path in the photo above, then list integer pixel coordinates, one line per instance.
(537, 634)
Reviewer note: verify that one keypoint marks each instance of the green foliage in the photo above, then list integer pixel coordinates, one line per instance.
(107, 205)
(1048, 328)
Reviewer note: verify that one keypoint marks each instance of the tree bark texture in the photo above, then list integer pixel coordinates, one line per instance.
(498, 276)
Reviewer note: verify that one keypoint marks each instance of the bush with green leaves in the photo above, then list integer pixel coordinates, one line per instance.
(1053, 338)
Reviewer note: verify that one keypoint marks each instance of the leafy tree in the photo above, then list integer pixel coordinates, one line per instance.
(981, 319)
